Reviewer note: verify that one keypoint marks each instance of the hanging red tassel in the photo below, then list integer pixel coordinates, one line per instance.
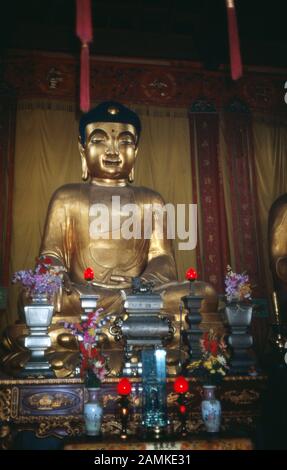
(85, 79)
(84, 21)
(85, 34)
(234, 46)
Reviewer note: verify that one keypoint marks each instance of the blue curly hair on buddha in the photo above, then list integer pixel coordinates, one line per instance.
(109, 111)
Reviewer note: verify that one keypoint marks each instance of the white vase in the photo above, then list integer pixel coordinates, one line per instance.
(210, 409)
(93, 412)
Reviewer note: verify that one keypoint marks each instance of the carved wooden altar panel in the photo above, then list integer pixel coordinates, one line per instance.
(51, 407)
(54, 407)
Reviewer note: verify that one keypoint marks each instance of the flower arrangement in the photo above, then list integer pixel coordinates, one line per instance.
(92, 362)
(212, 366)
(237, 286)
(44, 279)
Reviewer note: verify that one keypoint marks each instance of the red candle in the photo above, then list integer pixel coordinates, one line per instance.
(89, 274)
(182, 409)
(124, 387)
(191, 274)
(180, 385)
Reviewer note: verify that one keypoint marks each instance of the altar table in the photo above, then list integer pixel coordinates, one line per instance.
(54, 407)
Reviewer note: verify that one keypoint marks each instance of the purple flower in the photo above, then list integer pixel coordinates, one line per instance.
(237, 286)
(37, 284)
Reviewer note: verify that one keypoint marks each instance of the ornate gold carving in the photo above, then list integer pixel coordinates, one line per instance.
(172, 397)
(159, 85)
(51, 401)
(241, 397)
(5, 436)
(15, 402)
(5, 404)
(245, 378)
(109, 399)
(58, 426)
(54, 77)
(112, 426)
(231, 420)
(42, 381)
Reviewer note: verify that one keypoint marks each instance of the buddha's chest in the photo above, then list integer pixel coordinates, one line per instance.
(110, 228)
(114, 215)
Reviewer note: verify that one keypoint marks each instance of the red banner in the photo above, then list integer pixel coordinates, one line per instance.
(212, 251)
(239, 141)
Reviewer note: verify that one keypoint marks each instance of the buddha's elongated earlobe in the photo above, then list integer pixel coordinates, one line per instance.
(85, 173)
(131, 176)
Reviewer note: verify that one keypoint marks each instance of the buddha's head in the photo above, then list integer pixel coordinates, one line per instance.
(108, 142)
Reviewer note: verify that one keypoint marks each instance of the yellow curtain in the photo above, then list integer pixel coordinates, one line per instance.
(270, 145)
(163, 164)
(46, 157)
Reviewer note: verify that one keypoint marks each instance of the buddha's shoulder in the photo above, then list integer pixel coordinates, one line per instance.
(278, 208)
(280, 201)
(69, 192)
(148, 194)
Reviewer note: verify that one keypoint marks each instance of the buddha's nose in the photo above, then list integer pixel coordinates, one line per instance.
(112, 149)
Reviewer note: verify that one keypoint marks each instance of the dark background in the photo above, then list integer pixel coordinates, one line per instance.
(165, 29)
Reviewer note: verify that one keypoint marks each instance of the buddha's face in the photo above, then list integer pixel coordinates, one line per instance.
(110, 150)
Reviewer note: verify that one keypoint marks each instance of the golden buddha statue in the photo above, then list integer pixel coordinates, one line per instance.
(277, 233)
(74, 239)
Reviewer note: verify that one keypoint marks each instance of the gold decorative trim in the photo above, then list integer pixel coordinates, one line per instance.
(58, 426)
(230, 378)
(240, 397)
(51, 401)
(5, 436)
(247, 378)
(15, 402)
(172, 397)
(112, 380)
(5, 404)
(40, 381)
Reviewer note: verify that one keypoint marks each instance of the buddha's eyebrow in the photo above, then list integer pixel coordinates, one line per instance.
(96, 132)
(127, 134)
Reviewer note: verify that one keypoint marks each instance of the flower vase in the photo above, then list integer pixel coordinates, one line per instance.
(93, 412)
(239, 316)
(38, 316)
(210, 409)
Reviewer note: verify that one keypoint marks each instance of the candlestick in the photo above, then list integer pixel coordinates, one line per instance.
(279, 341)
(276, 308)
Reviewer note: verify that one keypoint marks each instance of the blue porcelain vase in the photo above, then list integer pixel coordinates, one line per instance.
(210, 409)
(93, 412)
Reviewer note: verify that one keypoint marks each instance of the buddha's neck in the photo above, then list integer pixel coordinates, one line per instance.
(109, 182)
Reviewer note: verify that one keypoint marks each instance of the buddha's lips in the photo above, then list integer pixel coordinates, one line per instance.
(109, 162)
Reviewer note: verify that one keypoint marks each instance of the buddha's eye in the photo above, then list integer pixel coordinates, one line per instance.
(126, 142)
(98, 140)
